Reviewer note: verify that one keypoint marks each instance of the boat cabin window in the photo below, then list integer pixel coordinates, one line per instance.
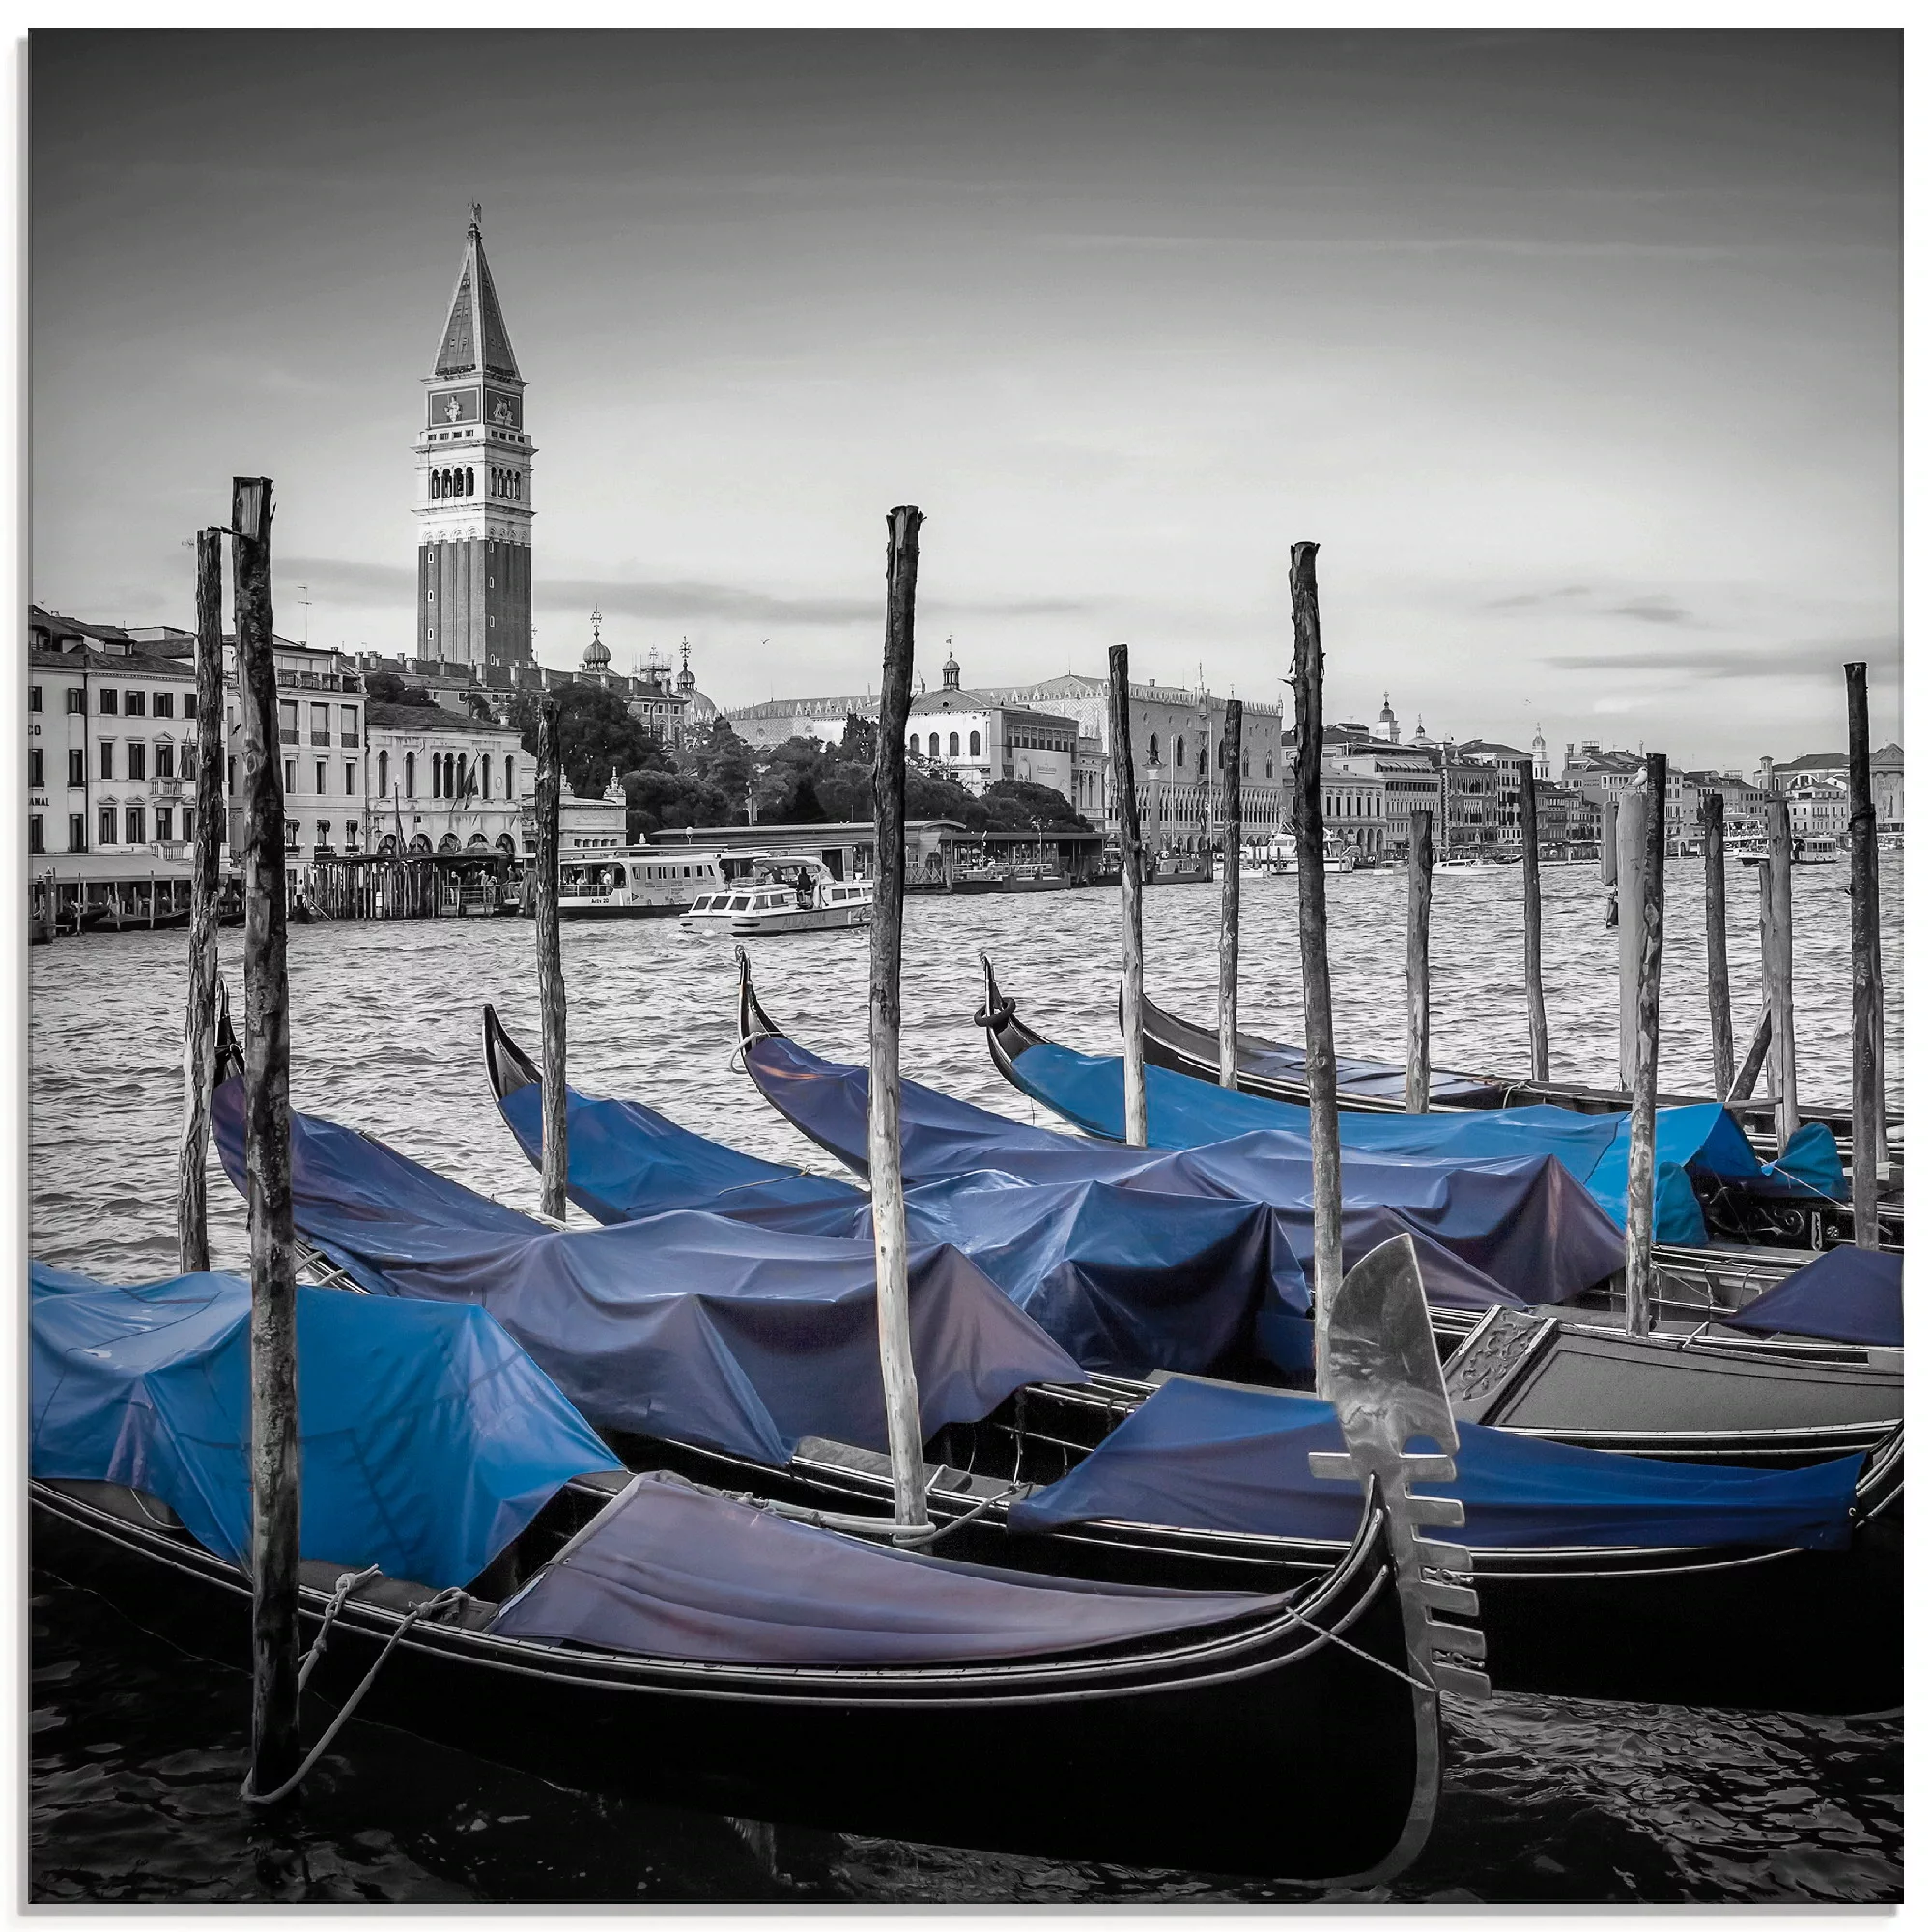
(740, 902)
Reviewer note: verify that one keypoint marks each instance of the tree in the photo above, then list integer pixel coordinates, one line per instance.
(384, 687)
(720, 759)
(786, 788)
(595, 734)
(860, 745)
(658, 799)
(1013, 804)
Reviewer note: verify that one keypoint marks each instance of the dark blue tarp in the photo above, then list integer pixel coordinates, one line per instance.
(689, 1326)
(1521, 1229)
(429, 1439)
(1847, 1294)
(1123, 1280)
(671, 1571)
(1695, 1143)
(1205, 1456)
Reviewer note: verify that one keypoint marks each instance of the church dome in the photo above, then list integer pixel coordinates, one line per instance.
(597, 653)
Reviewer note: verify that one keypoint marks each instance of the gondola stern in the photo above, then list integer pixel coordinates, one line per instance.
(754, 1022)
(509, 1065)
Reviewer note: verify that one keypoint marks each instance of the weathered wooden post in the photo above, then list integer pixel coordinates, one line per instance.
(1230, 891)
(904, 1435)
(1645, 913)
(1532, 934)
(1421, 882)
(204, 894)
(1717, 948)
(1783, 1036)
(1634, 810)
(1318, 1019)
(1868, 1100)
(276, 1444)
(549, 962)
(1607, 855)
(1128, 808)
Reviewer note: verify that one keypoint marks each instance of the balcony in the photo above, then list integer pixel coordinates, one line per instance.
(290, 734)
(317, 737)
(351, 740)
(169, 788)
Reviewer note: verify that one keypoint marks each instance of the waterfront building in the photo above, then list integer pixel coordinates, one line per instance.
(1820, 805)
(1513, 770)
(1409, 780)
(1744, 802)
(1471, 795)
(1539, 760)
(1353, 801)
(439, 780)
(1565, 819)
(473, 503)
(1888, 780)
(583, 824)
(979, 739)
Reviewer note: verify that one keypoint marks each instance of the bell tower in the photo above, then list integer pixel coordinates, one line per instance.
(472, 503)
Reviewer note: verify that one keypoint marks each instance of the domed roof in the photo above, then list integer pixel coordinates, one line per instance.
(597, 653)
(1388, 713)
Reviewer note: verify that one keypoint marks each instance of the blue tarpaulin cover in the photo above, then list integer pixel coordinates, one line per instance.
(671, 1571)
(1205, 1456)
(429, 1439)
(1123, 1280)
(1847, 1294)
(689, 1326)
(1521, 1229)
(1695, 1143)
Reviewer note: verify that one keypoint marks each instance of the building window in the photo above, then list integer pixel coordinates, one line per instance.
(33, 703)
(318, 723)
(290, 723)
(350, 737)
(952, 743)
(165, 760)
(137, 761)
(932, 746)
(77, 704)
(187, 705)
(231, 776)
(76, 832)
(509, 778)
(486, 774)
(322, 830)
(187, 823)
(973, 740)
(409, 775)
(322, 776)
(348, 776)
(37, 837)
(164, 823)
(164, 704)
(76, 768)
(1153, 748)
(912, 744)
(137, 704)
(107, 759)
(35, 774)
(110, 703)
(137, 825)
(382, 773)
(288, 777)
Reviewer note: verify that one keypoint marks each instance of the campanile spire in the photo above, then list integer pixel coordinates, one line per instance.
(473, 510)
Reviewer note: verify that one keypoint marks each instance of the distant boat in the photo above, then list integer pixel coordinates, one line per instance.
(783, 896)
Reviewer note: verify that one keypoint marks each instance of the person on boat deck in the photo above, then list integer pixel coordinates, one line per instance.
(804, 887)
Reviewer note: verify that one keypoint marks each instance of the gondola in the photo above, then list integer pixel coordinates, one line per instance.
(1566, 1603)
(1708, 1395)
(1710, 1186)
(647, 1634)
(1276, 1070)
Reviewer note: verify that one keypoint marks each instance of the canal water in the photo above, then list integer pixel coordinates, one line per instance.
(137, 1751)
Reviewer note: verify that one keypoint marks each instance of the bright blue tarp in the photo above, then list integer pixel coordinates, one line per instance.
(671, 1571)
(1847, 1294)
(1521, 1229)
(1124, 1281)
(689, 1326)
(429, 1439)
(1205, 1456)
(1695, 1143)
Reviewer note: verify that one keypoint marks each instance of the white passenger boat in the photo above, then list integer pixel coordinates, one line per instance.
(783, 896)
(638, 882)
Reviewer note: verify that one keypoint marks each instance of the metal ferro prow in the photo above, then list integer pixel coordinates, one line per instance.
(1381, 1370)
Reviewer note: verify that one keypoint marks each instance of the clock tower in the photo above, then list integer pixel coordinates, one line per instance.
(473, 504)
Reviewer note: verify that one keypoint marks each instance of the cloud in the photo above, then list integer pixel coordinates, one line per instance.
(1528, 600)
(1651, 611)
(335, 581)
(696, 599)
(1811, 657)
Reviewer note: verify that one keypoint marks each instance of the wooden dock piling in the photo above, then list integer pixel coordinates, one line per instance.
(275, 1446)
(1318, 1018)
(1230, 891)
(1127, 809)
(549, 962)
(1717, 948)
(904, 1438)
(1421, 881)
(1633, 812)
(1607, 855)
(1867, 1019)
(1784, 1034)
(1532, 934)
(1646, 915)
(205, 892)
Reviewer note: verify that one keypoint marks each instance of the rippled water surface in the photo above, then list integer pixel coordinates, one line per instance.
(138, 1751)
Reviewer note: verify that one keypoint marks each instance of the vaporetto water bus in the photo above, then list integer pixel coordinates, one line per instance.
(642, 881)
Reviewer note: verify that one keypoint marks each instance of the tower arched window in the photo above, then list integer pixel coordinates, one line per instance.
(952, 743)
(432, 486)
(484, 785)
(469, 482)
(1153, 748)
(409, 775)
(973, 740)
(382, 774)
(462, 776)
(1180, 752)
(932, 746)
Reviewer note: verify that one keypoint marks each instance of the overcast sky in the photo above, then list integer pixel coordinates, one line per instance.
(1577, 353)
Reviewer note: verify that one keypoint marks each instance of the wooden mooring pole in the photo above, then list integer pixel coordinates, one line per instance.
(1646, 914)
(205, 891)
(1867, 1020)
(904, 1438)
(1127, 809)
(275, 1447)
(1421, 882)
(1230, 892)
(549, 962)
(1607, 855)
(1316, 1015)
(1532, 934)
(1783, 1036)
(1717, 948)
(1633, 812)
